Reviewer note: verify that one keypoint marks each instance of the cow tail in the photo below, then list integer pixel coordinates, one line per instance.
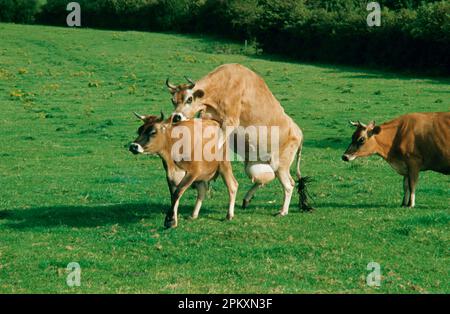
(302, 184)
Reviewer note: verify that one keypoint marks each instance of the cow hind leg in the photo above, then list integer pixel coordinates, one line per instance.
(286, 158)
(227, 174)
(202, 188)
(288, 185)
(250, 194)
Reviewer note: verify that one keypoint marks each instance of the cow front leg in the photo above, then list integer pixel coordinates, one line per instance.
(172, 187)
(171, 220)
(406, 191)
(413, 179)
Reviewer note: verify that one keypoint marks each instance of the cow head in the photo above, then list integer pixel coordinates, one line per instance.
(363, 141)
(186, 100)
(149, 140)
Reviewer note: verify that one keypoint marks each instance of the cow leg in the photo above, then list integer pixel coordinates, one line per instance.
(202, 187)
(250, 194)
(172, 187)
(227, 174)
(288, 185)
(413, 179)
(172, 216)
(406, 191)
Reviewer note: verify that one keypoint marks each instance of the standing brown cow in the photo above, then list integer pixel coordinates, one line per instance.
(174, 174)
(158, 137)
(237, 96)
(410, 143)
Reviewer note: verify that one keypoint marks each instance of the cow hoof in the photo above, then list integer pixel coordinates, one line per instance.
(229, 217)
(281, 214)
(193, 217)
(245, 204)
(170, 223)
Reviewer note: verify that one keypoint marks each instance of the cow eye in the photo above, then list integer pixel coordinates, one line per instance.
(189, 100)
(152, 132)
(361, 140)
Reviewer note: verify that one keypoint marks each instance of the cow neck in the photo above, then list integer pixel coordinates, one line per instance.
(385, 139)
(166, 153)
(167, 158)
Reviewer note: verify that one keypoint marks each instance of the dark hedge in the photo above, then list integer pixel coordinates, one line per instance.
(414, 34)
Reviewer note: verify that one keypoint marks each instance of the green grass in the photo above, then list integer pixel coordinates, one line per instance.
(71, 192)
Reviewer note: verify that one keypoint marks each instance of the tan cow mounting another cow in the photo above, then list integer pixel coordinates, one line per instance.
(410, 143)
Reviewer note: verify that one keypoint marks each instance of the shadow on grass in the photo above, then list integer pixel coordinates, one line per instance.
(337, 205)
(329, 142)
(387, 75)
(361, 71)
(86, 216)
(317, 206)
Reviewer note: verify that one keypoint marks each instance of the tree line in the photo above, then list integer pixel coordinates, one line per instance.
(414, 34)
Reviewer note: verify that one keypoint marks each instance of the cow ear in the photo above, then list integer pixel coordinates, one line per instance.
(199, 93)
(376, 130)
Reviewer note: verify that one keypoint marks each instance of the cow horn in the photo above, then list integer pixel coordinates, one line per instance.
(357, 123)
(140, 117)
(169, 85)
(190, 81)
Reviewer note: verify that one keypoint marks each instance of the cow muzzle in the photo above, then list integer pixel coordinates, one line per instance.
(177, 117)
(347, 157)
(135, 148)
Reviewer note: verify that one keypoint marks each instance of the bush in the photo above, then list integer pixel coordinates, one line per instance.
(433, 21)
(130, 14)
(18, 11)
(404, 4)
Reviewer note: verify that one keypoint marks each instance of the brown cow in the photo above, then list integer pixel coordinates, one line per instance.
(236, 96)
(156, 137)
(410, 143)
(174, 174)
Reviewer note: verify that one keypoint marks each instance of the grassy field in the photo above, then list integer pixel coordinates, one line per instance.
(71, 192)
